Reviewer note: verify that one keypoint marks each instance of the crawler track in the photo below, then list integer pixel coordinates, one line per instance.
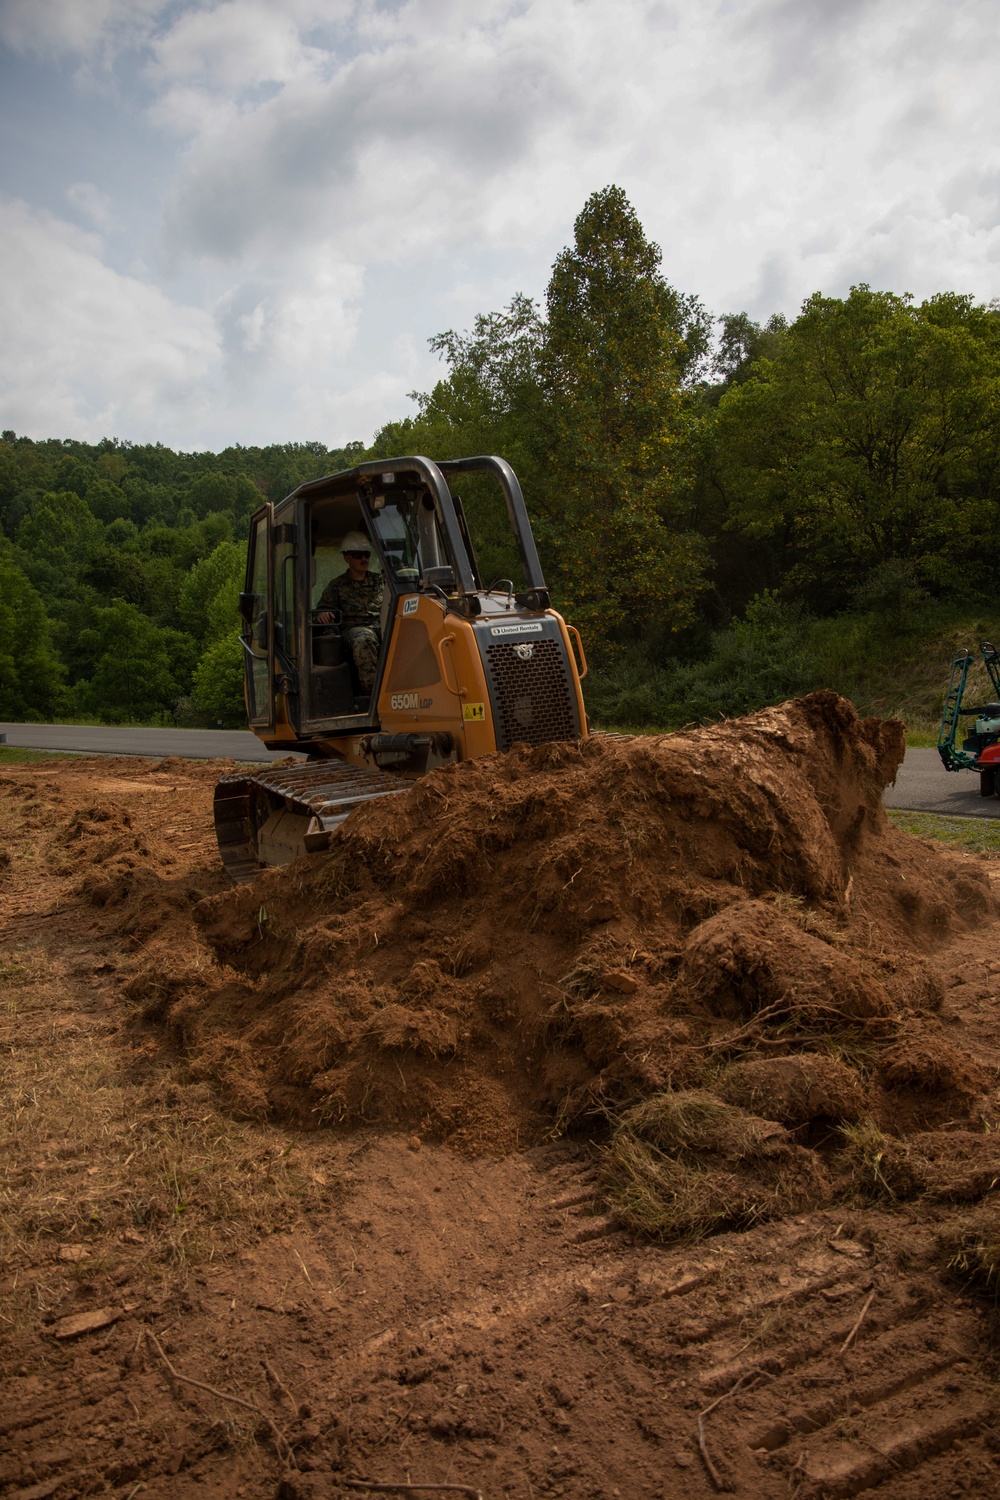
(323, 793)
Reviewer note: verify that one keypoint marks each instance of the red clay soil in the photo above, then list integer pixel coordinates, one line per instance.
(396, 1144)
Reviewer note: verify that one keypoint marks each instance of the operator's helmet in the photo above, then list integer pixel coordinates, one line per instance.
(355, 541)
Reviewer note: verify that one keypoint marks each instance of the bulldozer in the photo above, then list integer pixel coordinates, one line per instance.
(464, 667)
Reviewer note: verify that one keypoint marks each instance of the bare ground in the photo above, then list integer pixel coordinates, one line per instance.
(397, 1307)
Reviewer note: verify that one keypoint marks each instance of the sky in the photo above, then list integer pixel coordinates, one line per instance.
(241, 221)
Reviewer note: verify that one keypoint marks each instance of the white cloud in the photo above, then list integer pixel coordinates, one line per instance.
(92, 353)
(236, 45)
(740, 131)
(54, 28)
(93, 204)
(354, 175)
(89, 352)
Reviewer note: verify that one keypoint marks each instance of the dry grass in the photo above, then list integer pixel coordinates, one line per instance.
(686, 1165)
(688, 1123)
(876, 1164)
(658, 1195)
(103, 1147)
(970, 1251)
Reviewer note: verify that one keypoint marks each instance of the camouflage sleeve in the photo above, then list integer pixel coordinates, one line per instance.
(330, 597)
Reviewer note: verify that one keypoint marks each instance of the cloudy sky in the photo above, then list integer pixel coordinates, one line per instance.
(241, 221)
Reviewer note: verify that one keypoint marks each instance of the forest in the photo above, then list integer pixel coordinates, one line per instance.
(732, 512)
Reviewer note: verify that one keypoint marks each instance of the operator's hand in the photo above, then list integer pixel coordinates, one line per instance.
(325, 617)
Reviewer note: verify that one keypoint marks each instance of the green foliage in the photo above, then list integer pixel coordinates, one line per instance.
(139, 670)
(223, 568)
(30, 672)
(53, 541)
(592, 405)
(107, 501)
(760, 659)
(217, 696)
(870, 437)
(233, 494)
(138, 539)
(218, 683)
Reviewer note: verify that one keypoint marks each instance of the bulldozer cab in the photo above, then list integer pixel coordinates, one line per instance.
(302, 674)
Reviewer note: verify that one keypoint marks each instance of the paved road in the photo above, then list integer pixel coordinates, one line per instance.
(923, 784)
(100, 739)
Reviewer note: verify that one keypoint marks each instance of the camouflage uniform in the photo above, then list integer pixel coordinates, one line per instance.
(358, 602)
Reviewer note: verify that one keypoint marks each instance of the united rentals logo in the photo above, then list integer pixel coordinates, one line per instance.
(517, 629)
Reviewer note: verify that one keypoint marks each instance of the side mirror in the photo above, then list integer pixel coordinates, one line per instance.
(246, 608)
(442, 578)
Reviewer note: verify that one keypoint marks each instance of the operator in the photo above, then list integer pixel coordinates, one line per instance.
(356, 596)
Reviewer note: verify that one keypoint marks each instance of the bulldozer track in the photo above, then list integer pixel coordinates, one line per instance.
(327, 791)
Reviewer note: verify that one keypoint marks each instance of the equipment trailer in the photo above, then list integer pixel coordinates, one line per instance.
(981, 746)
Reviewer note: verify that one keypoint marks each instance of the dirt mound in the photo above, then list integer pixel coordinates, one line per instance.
(98, 842)
(531, 941)
(749, 959)
(796, 1090)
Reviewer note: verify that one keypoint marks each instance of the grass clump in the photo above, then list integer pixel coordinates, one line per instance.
(974, 835)
(877, 1165)
(691, 1123)
(656, 1194)
(686, 1165)
(970, 1252)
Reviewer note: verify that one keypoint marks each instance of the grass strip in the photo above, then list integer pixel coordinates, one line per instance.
(11, 755)
(976, 835)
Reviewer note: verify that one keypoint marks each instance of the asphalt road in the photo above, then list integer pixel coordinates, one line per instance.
(923, 784)
(100, 739)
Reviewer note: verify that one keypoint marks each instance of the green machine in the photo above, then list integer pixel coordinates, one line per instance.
(981, 745)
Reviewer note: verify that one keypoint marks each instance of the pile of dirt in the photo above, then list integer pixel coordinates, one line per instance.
(398, 1309)
(538, 941)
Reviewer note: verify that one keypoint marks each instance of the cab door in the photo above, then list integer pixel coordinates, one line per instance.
(258, 626)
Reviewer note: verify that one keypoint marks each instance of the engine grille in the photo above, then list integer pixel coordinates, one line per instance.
(532, 695)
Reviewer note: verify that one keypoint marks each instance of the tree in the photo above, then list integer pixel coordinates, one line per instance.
(218, 678)
(742, 342)
(234, 494)
(55, 541)
(218, 683)
(224, 566)
(30, 672)
(493, 401)
(620, 421)
(108, 501)
(871, 436)
(115, 573)
(140, 670)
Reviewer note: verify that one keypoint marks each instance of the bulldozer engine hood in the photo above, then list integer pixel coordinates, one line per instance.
(529, 680)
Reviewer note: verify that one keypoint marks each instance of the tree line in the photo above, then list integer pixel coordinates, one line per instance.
(706, 492)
